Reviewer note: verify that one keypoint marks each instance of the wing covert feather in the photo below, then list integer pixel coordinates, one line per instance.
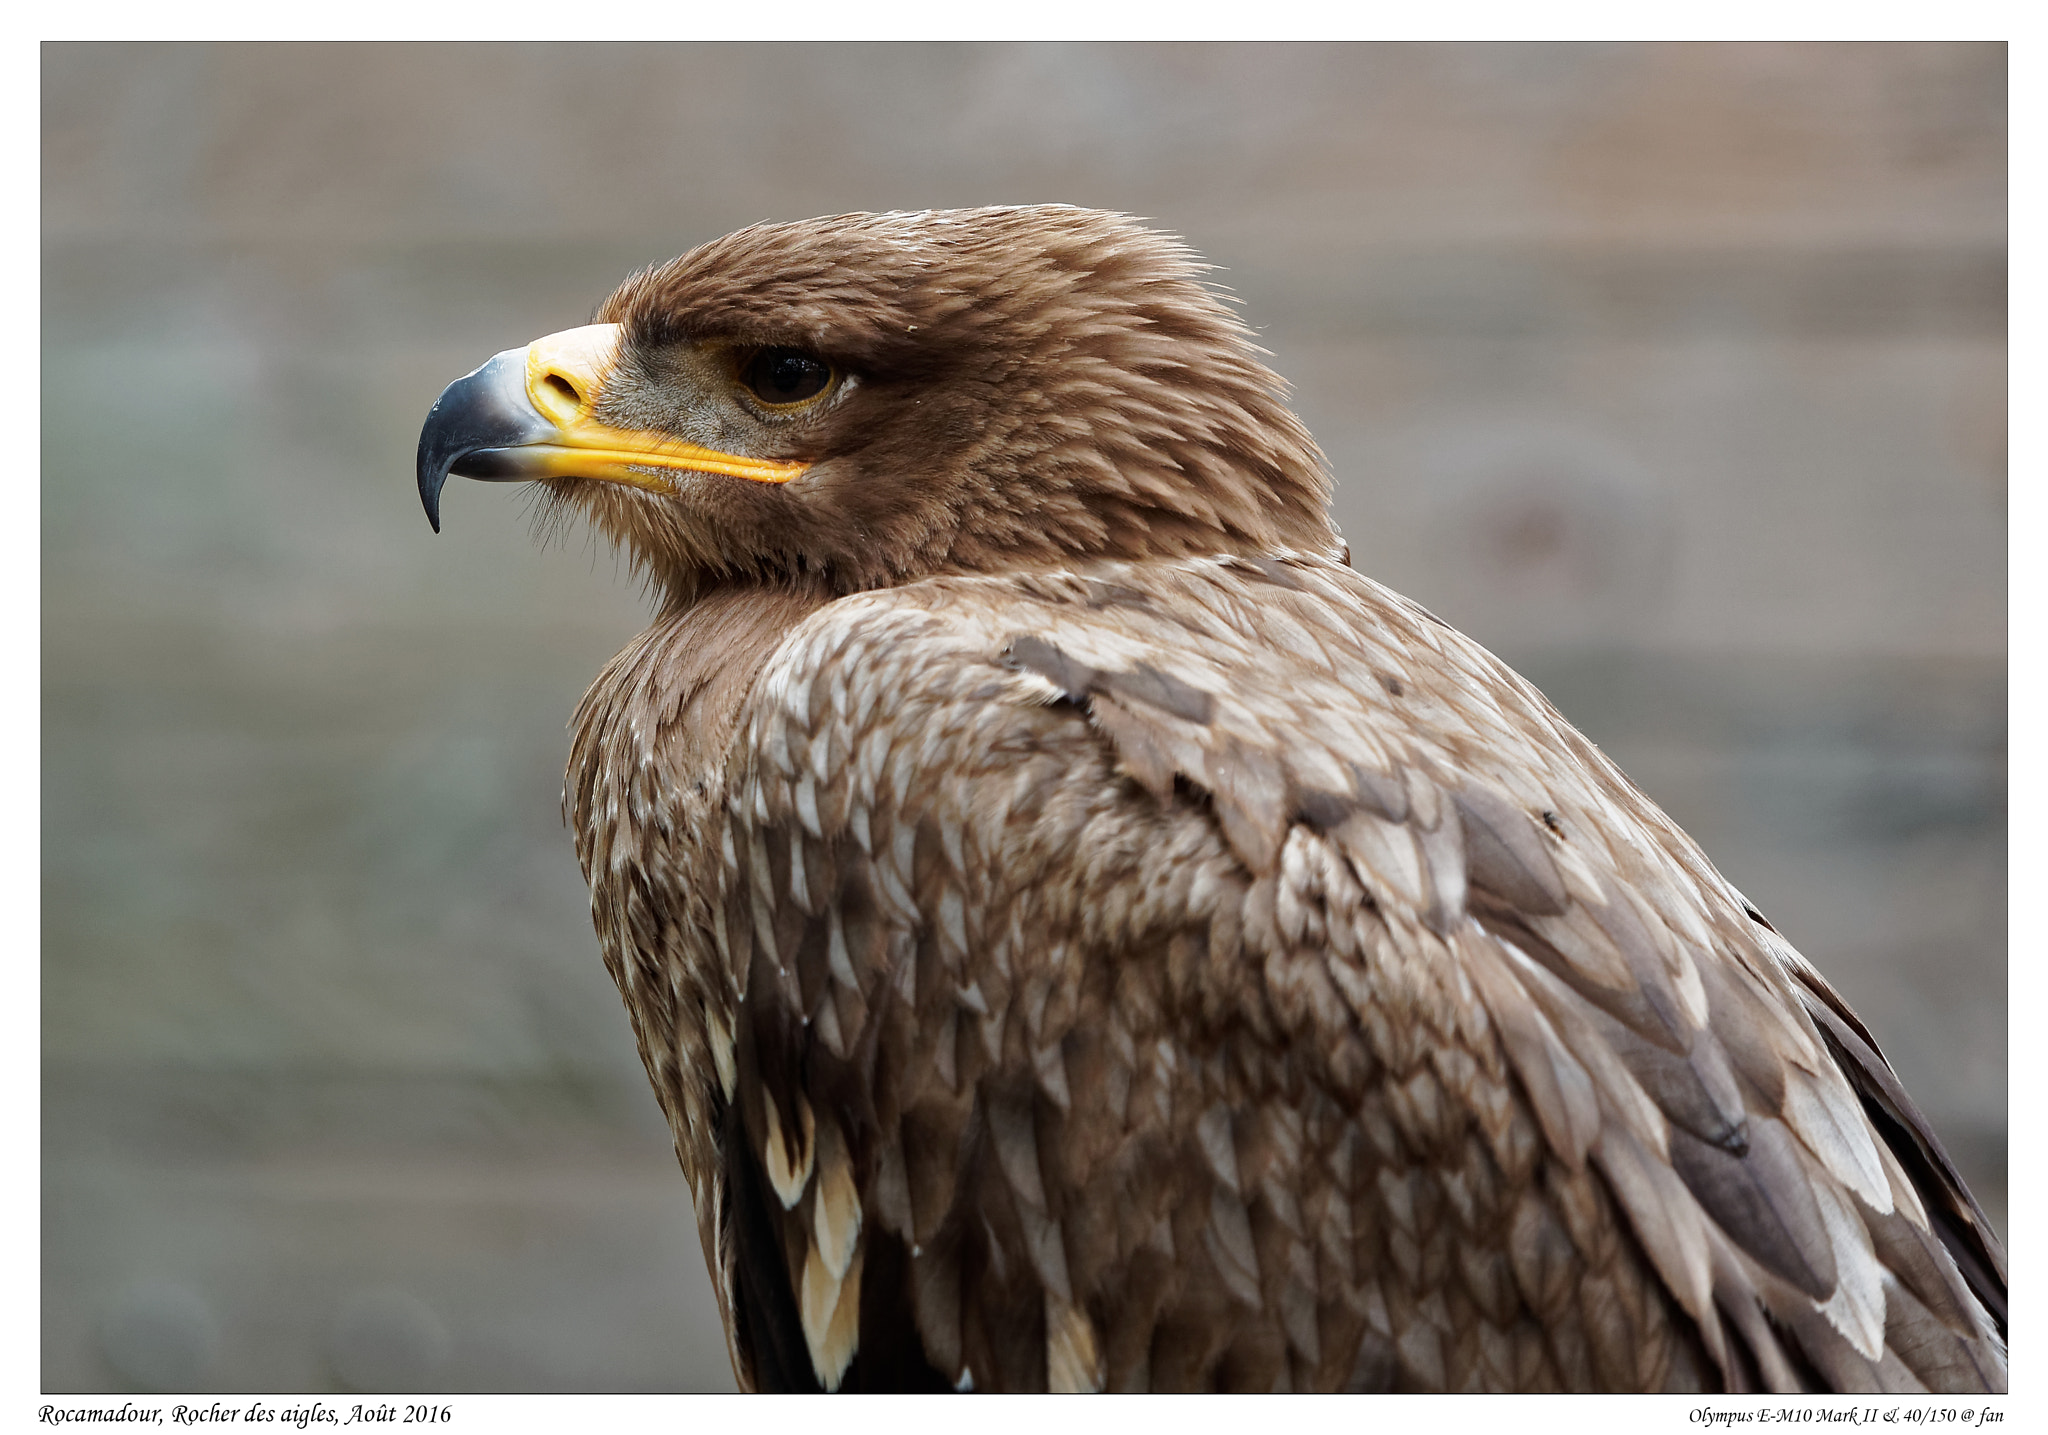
(1223, 975)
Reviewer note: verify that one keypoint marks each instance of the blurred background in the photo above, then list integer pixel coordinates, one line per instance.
(1674, 374)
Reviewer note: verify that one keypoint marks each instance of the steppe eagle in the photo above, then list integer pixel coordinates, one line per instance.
(1085, 936)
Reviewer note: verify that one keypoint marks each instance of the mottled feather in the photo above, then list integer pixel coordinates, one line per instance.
(1688, 1197)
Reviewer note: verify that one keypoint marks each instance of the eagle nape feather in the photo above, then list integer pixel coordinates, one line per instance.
(1084, 936)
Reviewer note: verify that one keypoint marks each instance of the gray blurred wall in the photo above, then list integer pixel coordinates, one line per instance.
(1674, 374)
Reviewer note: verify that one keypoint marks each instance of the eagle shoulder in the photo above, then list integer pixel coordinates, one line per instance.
(1220, 973)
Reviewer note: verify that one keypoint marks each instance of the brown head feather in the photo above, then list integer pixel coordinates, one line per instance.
(1025, 386)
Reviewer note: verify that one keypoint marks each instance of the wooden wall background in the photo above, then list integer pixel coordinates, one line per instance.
(1675, 374)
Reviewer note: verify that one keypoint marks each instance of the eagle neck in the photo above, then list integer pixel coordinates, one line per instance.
(646, 782)
(667, 705)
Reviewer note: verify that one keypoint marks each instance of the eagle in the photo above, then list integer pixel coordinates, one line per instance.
(1085, 936)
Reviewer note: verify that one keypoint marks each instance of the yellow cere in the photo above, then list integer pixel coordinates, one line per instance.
(565, 373)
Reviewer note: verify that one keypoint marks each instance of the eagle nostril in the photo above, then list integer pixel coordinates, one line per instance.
(563, 389)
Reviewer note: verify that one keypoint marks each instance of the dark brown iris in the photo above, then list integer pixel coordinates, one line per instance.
(785, 376)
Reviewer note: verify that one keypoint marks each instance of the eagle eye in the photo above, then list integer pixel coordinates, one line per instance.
(784, 378)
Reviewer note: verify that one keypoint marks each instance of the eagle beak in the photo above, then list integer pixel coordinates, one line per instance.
(526, 415)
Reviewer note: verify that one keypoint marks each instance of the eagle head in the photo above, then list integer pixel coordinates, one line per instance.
(861, 400)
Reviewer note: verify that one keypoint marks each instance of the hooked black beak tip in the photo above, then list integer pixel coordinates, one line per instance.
(430, 493)
(485, 409)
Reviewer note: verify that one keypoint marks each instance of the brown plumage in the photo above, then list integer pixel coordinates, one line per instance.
(1084, 936)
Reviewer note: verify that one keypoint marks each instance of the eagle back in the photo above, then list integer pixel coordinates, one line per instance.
(1221, 973)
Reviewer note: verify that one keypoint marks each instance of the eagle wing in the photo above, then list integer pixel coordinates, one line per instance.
(1222, 974)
